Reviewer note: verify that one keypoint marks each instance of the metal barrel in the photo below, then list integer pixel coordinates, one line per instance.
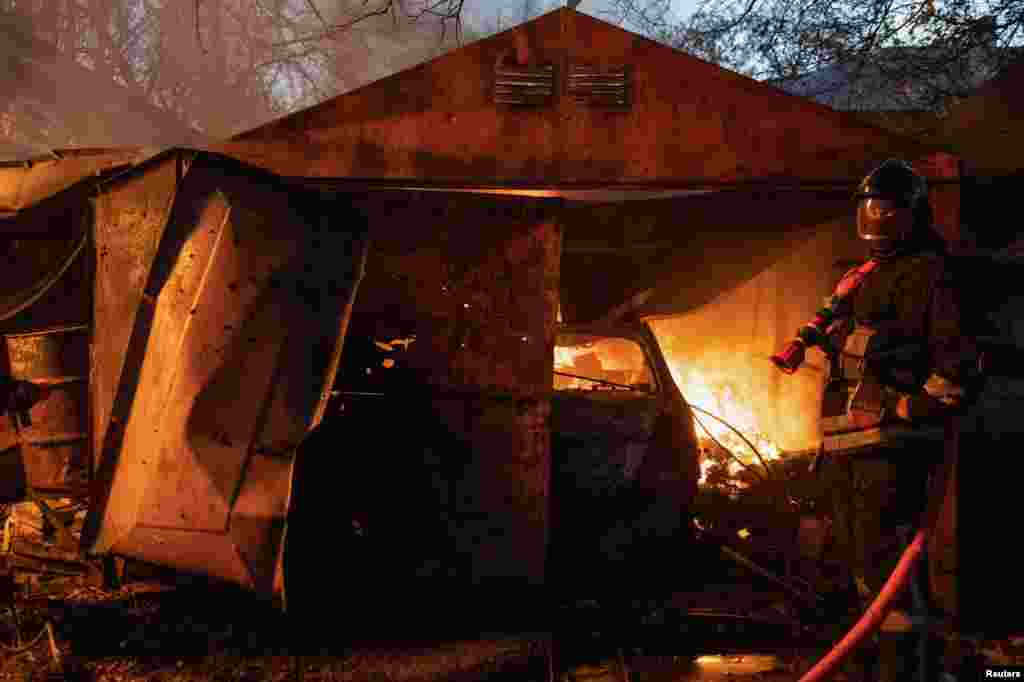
(50, 454)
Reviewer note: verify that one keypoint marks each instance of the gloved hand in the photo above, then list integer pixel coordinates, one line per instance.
(791, 357)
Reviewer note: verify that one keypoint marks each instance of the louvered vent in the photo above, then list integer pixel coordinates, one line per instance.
(597, 87)
(530, 86)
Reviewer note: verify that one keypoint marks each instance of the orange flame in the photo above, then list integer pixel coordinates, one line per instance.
(721, 393)
(721, 398)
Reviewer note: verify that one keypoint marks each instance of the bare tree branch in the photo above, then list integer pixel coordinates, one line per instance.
(199, 37)
(263, 58)
(332, 31)
(869, 51)
(316, 11)
(738, 20)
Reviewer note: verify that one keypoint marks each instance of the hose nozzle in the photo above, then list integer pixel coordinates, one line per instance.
(791, 357)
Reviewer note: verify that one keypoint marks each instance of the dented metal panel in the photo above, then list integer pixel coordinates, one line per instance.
(237, 320)
(25, 184)
(130, 218)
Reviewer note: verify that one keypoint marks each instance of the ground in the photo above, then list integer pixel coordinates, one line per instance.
(734, 625)
(182, 633)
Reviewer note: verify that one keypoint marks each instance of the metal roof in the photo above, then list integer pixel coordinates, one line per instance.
(689, 126)
(25, 183)
(444, 122)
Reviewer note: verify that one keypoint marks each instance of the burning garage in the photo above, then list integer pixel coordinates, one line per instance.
(516, 293)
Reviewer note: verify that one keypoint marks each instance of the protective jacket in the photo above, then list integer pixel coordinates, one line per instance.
(900, 362)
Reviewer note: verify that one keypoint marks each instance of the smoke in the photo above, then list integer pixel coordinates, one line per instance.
(118, 73)
(16, 44)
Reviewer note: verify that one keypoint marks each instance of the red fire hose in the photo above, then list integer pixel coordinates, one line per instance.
(897, 582)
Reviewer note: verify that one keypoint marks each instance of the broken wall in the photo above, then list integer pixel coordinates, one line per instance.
(474, 280)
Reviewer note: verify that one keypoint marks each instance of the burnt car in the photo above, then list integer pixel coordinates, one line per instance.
(624, 469)
(624, 462)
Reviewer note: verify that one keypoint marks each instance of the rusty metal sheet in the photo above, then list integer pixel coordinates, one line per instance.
(211, 554)
(130, 218)
(202, 406)
(68, 302)
(670, 256)
(48, 355)
(63, 416)
(984, 126)
(480, 295)
(26, 184)
(687, 120)
(258, 516)
(481, 303)
(45, 246)
(675, 255)
(943, 196)
(56, 468)
(54, 447)
(237, 323)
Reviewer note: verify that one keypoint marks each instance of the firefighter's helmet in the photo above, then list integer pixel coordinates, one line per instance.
(892, 203)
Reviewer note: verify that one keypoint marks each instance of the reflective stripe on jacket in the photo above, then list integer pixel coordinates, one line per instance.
(902, 347)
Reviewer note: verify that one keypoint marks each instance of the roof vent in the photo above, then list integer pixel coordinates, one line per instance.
(597, 87)
(524, 85)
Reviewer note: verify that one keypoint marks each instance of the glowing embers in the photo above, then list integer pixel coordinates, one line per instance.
(729, 666)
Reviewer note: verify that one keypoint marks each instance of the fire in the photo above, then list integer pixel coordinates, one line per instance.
(721, 398)
(720, 393)
(565, 356)
(565, 359)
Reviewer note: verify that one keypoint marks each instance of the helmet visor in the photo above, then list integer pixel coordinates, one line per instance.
(883, 219)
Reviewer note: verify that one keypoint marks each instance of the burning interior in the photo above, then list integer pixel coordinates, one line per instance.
(615, 368)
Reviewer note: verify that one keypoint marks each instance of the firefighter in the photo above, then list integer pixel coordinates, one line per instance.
(893, 328)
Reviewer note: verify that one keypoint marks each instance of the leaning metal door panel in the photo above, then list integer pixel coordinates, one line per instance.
(225, 370)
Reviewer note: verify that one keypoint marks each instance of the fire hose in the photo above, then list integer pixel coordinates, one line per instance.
(901, 575)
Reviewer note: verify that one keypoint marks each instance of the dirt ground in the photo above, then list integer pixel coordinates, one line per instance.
(179, 634)
(149, 631)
